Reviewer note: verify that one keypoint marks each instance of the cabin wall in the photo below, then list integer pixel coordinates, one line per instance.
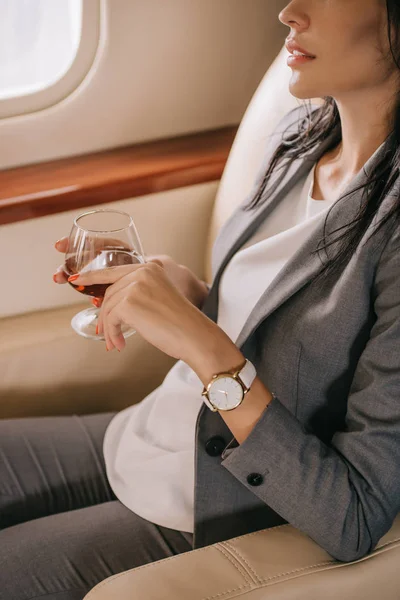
(162, 69)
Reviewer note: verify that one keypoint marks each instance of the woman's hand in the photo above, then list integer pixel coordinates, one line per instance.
(144, 298)
(180, 276)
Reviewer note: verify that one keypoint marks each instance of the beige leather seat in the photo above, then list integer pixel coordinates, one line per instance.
(280, 563)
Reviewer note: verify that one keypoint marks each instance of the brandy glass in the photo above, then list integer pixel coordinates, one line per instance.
(100, 239)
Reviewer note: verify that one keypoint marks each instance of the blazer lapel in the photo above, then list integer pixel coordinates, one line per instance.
(242, 224)
(303, 265)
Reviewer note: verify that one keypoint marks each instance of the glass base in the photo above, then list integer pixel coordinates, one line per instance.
(85, 323)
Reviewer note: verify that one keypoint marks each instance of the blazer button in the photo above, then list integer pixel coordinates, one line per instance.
(255, 479)
(215, 446)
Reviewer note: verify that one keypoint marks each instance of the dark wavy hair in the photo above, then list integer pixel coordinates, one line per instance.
(315, 128)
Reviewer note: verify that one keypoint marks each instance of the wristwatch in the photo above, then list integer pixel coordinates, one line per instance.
(226, 391)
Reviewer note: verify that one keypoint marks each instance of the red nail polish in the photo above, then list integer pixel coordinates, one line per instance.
(73, 277)
(97, 330)
(54, 278)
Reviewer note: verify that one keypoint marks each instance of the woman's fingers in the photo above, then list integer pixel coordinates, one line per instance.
(62, 244)
(109, 275)
(108, 305)
(101, 329)
(124, 281)
(158, 261)
(120, 284)
(60, 276)
(106, 332)
(114, 329)
(109, 344)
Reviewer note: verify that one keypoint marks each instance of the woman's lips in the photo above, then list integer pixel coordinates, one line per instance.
(295, 60)
(293, 48)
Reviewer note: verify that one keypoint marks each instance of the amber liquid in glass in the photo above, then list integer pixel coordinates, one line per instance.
(107, 257)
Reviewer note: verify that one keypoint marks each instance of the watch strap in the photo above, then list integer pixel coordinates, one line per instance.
(248, 373)
(208, 403)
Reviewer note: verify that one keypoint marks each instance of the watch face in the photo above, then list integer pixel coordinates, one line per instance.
(225, 393)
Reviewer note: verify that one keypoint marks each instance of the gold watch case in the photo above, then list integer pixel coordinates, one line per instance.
(215, 378)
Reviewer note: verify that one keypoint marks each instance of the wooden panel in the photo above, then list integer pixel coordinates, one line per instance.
(92, 179)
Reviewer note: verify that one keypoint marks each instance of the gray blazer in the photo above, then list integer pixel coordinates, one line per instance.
(325, 455)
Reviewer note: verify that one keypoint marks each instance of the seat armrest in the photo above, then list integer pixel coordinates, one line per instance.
(47, 369)
(280, 563)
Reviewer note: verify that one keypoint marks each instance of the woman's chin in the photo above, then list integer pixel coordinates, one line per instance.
(302, 91)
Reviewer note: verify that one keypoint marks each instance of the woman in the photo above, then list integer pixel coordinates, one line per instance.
(316, 439)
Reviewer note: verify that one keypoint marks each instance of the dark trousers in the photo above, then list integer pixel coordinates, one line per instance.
(62, 530)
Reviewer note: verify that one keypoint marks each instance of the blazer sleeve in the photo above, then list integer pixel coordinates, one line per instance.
(344, 495)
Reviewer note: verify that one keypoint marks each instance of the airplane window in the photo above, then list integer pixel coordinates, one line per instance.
(38, 43)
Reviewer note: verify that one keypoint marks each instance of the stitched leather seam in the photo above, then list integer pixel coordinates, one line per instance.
(333, 563)
(248, 576)
(147, 566)
(206, 548)
(322, 564)
(271, 529)
(233, 560)
(265, 531)
(227, 592)
(256, 578)
(109, 580)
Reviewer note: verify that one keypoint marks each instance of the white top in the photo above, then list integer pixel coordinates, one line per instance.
(149, 447)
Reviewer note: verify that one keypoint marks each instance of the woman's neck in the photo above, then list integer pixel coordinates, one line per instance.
(366, 123)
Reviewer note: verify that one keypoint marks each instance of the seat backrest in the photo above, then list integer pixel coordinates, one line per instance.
(271, 101)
